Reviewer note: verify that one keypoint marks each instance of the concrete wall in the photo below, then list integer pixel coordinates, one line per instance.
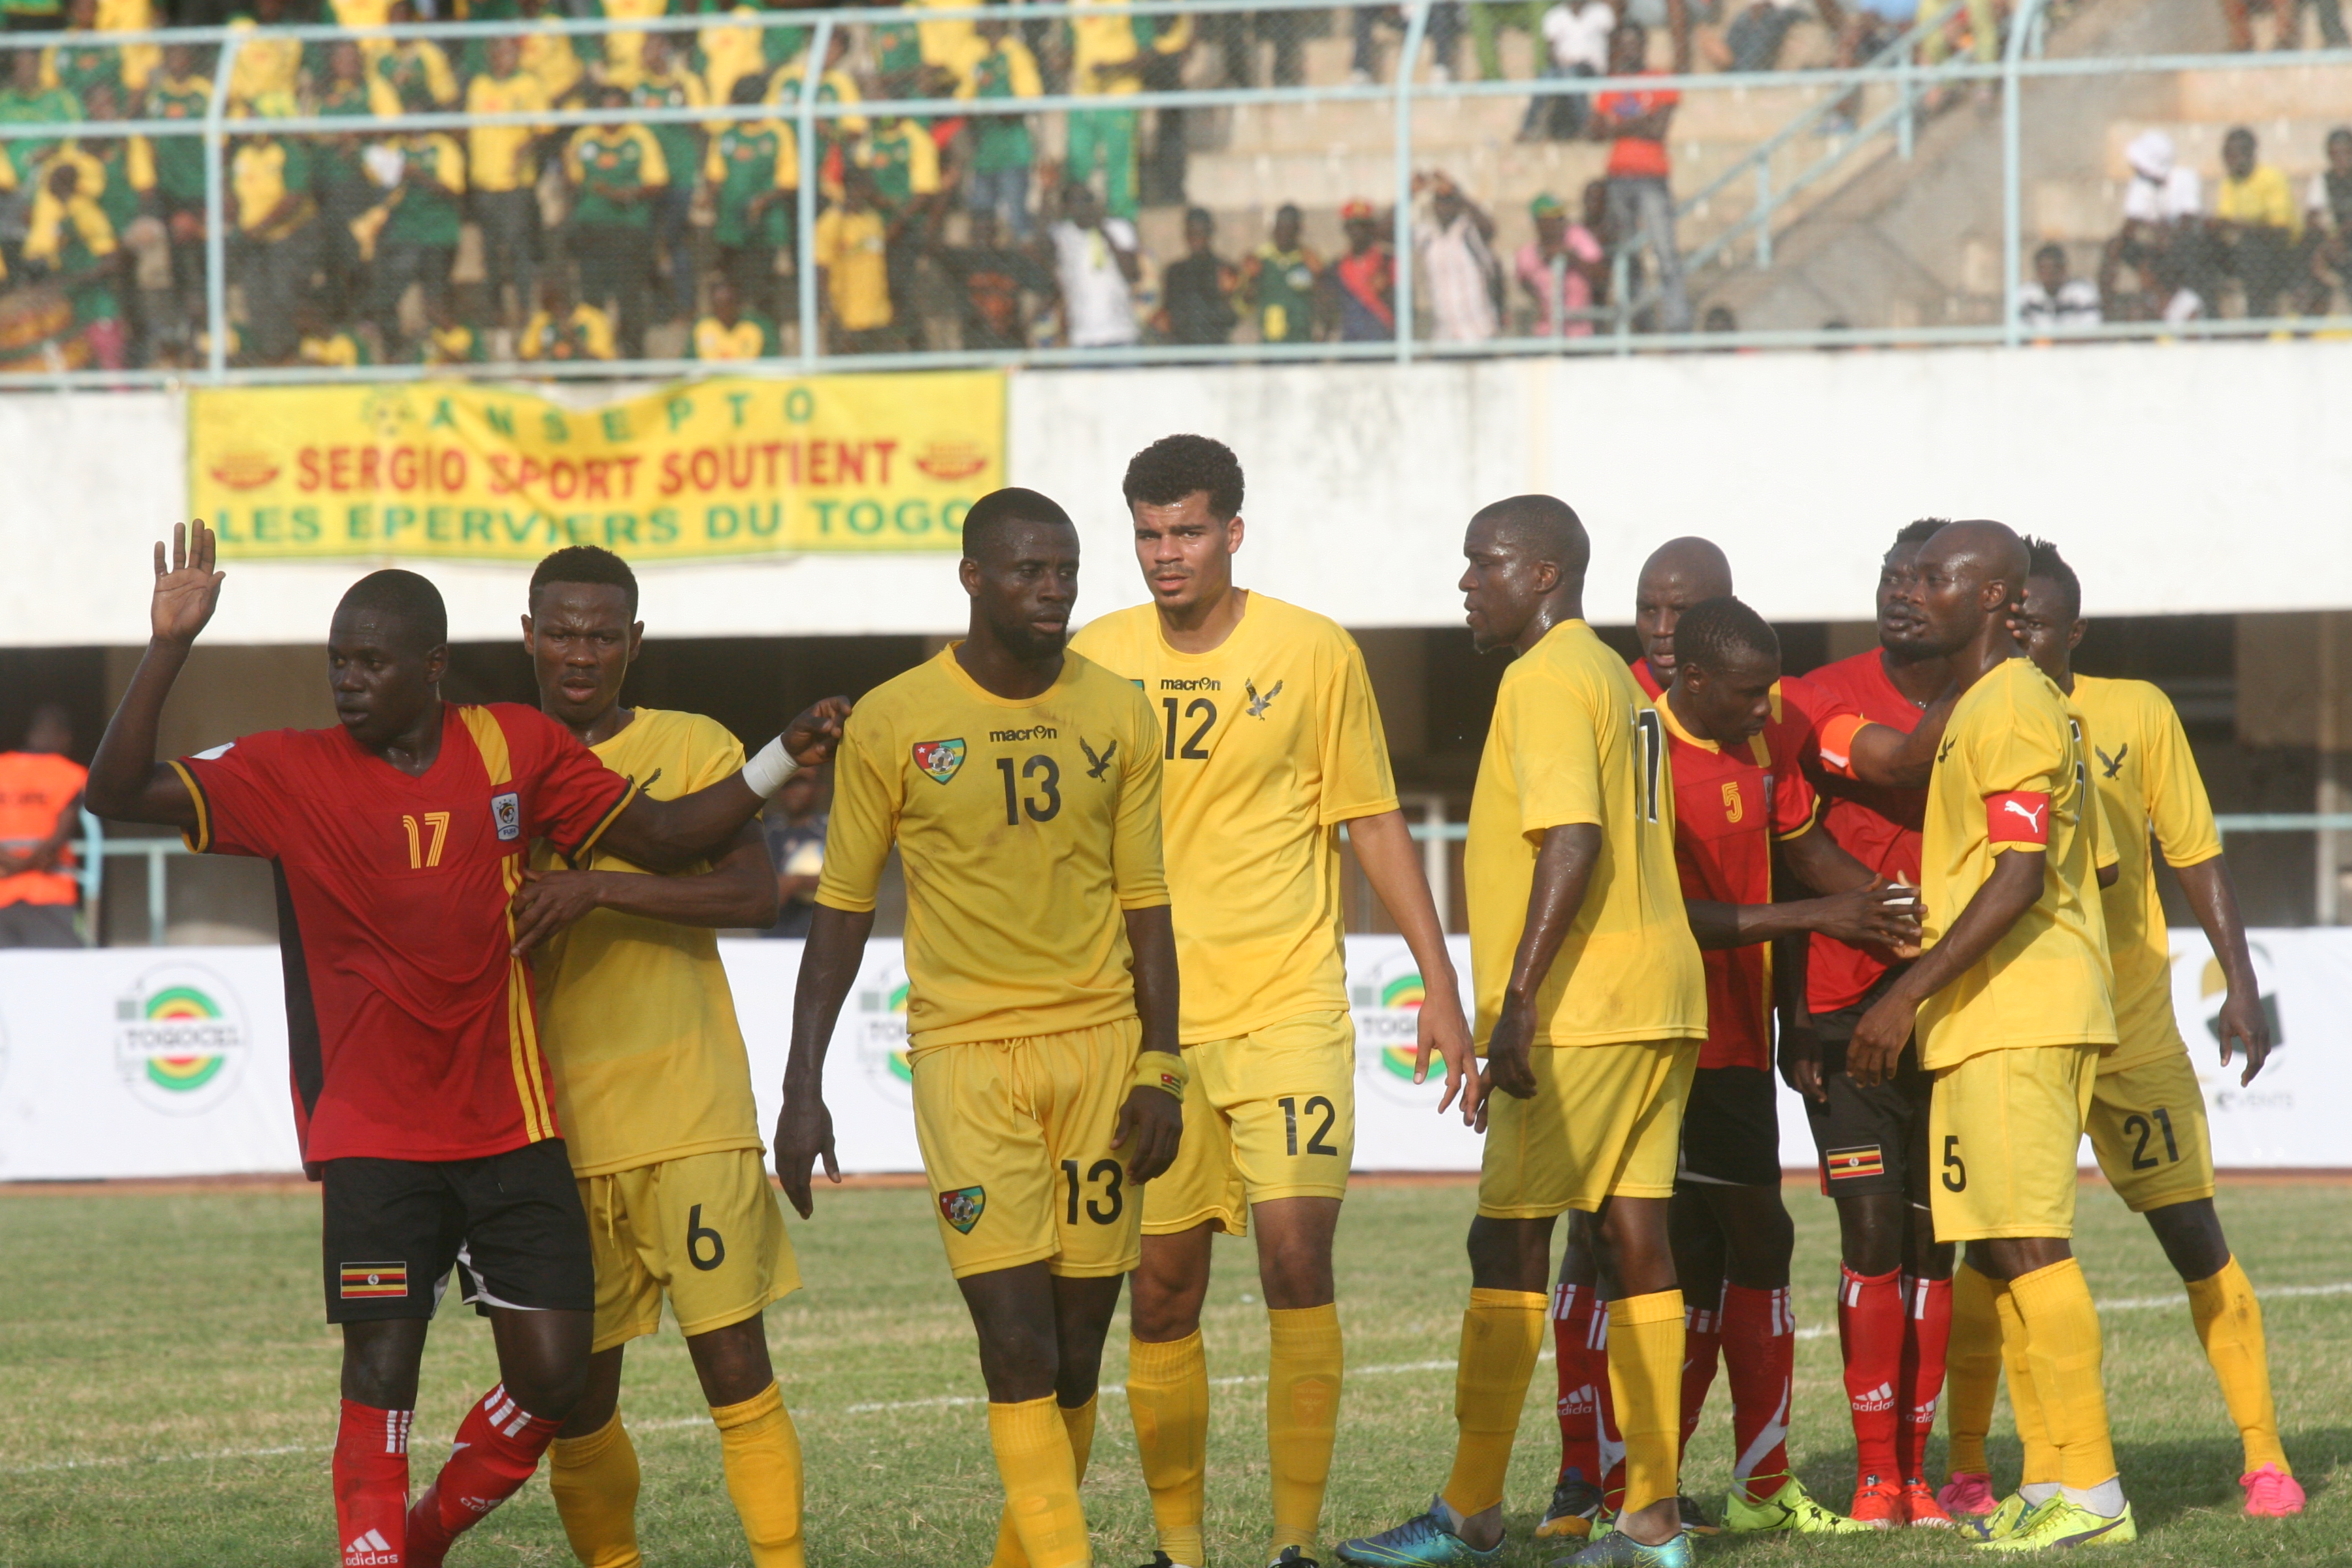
(2181, 478)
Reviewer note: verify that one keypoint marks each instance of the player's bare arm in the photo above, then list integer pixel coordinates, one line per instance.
(1883, 755)
(737, 894)
(1884, 914)
(1564, 864)
(2242, 1022)
(1799, 1045)
(2011, 889)
(126, 783)
(672, 834)
(837, 946)
(1152, 1122)
(1392, 864)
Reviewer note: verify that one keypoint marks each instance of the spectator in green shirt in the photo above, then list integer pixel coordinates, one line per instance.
(753, 168)
(180, 91)
(617, 170)
(730, 332)
(418, 242)
(345, 190)
(1002, 151)
(78, 67)
(25, 101)
(665, 84)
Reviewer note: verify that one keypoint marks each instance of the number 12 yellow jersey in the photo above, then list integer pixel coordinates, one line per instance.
(1269, 740)
(1026, 828)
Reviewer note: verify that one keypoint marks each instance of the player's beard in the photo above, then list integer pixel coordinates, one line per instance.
(1028, 643)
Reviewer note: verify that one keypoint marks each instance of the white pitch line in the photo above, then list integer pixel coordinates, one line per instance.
(664, 1424)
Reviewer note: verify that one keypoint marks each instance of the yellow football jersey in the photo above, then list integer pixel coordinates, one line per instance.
(2009, 777)
(2147, 781)
(1575, 740)
(1267, 744)
(635, 1014)
(1026, 830)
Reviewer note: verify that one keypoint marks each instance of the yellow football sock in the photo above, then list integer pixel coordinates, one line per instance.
(1302, 1417)
(1645, 1372)
(2062, 1348)
(594, 1480)
(2229, 1326)
(1039, 1468)
(1080, 1424)
(1501, 1332)
(761, 1453)
(1168, 1397)
(1971, 1373)
(2040, 1466)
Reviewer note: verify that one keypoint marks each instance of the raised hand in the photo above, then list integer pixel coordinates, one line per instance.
(188, 588)
(815, 729)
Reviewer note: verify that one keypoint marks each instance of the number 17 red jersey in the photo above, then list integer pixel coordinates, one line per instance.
(410, 1022)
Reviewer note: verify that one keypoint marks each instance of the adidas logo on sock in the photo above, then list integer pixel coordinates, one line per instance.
(1879, 1398)
(366, 1550)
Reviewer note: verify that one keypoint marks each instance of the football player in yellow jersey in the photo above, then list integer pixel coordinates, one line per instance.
(1591, 1008)
(2147, 1113)
(1021, 784)
(653, 1090)
(2012, 1006)
(1271, 742)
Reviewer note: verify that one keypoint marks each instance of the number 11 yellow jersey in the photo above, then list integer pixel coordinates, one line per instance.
(1026, 829)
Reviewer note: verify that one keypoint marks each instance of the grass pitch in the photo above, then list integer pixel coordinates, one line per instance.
(167, 1393)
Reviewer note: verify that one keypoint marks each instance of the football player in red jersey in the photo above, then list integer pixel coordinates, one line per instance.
(399, 841)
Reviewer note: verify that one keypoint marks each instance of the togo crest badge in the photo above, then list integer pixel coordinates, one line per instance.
(961, 1208)
(506, 810)
(941, 759)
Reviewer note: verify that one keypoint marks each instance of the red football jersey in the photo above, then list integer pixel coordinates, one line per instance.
(410, 1021)
(1878, 826)
(1729, 808)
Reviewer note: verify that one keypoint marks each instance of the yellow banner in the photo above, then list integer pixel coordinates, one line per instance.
(733, 467)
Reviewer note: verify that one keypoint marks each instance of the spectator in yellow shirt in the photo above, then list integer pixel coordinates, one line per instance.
(268, 64)
(504, 160)
(548, 56)
(2256, 228)
(853, 263)
(563, 328)
(411, 77)
(1108, 58)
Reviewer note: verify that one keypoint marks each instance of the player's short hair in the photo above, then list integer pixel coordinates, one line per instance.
(585, 563)
(1549, 522)
(2042, 560)
(1000, 510)
(1919, 532)
(407, 598)
(1714, 632)
(1175, 465)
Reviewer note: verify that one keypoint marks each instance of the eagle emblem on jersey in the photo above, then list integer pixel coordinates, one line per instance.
(939, 758)
(1734, 809)
(963, 1207)
(1095, 764)
(1257, 705)
(506, 810)
(2110, 766)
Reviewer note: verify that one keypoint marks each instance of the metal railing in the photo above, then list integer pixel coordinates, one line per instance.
(808, 113)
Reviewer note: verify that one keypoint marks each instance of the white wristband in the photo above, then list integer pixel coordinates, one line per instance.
(766, 773)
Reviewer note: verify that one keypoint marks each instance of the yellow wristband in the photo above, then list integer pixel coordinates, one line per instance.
(1160, 1069)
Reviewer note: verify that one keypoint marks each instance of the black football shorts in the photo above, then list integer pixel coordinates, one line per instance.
(511, 1224)
(1731, 1129)
(1870, 1139)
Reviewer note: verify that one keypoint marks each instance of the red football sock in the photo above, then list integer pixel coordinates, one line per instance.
(1870, 1332)
(1579, 1368)
(1702, 1340)
(498, 1447)
(1604, 1410)
(371, 1485)
(1759, 1361)
(1926, 1333)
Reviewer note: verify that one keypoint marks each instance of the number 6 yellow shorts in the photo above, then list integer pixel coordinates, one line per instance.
(1016, 1137)
(1271, 1114)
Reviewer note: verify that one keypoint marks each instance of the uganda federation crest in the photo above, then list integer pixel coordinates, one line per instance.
(961, 1208)
(941, 759)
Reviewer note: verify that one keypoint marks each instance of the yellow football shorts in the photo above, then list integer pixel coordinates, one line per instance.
(1271, 1114)
(706, 1229)
(2003, 1128)
(1606, 1122)
(2149, 1130)
(1016, 1136)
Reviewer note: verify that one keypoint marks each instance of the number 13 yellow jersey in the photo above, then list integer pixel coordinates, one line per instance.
(1574, 740)
(1026, 828)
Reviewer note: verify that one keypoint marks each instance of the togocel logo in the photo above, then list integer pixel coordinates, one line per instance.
(180, 1039)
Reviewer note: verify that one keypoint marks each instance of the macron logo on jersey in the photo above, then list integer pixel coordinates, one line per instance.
(2018, 817)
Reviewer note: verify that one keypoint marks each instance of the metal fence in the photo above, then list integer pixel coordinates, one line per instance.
(838, 230)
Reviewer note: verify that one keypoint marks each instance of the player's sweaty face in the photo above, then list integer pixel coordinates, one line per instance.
(1026, 586)
(1502, 586)
(381, 681)
(1185, 552)
(1952, 583)
(1731, 704)
(1901, 624)
(2041, 625)
(581, 642)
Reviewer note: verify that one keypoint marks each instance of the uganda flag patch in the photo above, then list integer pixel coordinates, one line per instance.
(1862, 1160)
(373, 1281)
